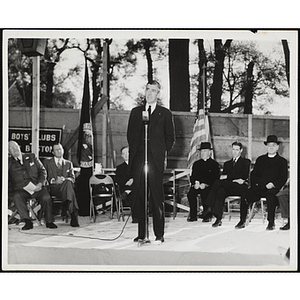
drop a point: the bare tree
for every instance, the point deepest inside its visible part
(179, 74)
(286, 51)
(216, 88)
(249, 89)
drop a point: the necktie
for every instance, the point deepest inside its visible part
(59, 163)
(149, 110)
(234, 161)
(19, 161)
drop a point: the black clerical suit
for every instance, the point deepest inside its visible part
(266, 170)
(161, 137)
(204, 171)
(226, 187)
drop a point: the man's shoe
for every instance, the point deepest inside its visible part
(51, 225)
(138, 238)
(201, 215)
(206, 219)
(240, 225)
(205, 213)
(270, 226)
(28, 225)
(159, 240)
(189, 219)
(217, 223)
(285, 227)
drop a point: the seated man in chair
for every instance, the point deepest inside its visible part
(125, 181)
(26, 178)
(269, 174)
(205, 172)
(60, 176)
(232, 182)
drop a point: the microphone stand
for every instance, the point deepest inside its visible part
(146, 240)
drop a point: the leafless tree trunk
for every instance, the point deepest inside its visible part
(216, 88)
(147, 44)
(202, 75)
(286, 51)
(179, 74)
(249, 89)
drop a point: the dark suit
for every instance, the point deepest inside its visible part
(65, 191)
(265, 170)
(223, 188)
(205, 172)
(122, 176)
(161, 138)
(33, 171)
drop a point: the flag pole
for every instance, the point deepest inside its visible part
(203, 87)
(250, 136)
(105, 107)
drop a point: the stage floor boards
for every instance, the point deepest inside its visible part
(194, 246)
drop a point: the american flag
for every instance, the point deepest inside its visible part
(200, 134)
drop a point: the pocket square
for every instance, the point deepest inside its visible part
(31, 164)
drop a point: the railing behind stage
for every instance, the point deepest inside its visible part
(176, 185)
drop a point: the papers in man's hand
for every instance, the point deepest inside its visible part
(30, 187)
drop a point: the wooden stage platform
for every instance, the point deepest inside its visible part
(194, 246)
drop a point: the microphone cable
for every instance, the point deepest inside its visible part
(82, 236)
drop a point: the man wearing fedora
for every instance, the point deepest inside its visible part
(205, 172)
(269, 174)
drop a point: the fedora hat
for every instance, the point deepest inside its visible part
(205, 145)
(272, 139)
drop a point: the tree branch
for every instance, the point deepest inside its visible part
(230, 108)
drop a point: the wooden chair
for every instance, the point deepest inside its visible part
(172, 189)
(13, 216)
(230, 201)
(255, 210)
(108, 193)
(33, 208)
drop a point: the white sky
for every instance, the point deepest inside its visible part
(270, 45)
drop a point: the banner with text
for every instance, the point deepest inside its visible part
(48, 137)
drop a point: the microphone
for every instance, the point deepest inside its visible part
(145, 116)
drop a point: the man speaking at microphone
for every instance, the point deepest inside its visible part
(161, 138)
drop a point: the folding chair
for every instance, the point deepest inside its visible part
(230, 201)
(14, 216)
(255, 209)
(124, 210)
(33, 208)
(103, 187)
